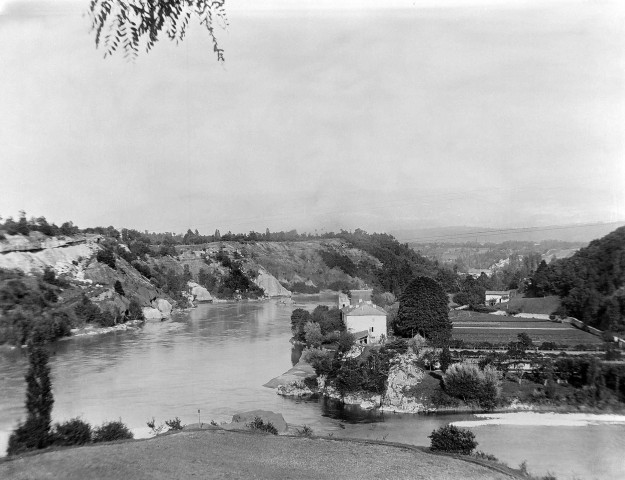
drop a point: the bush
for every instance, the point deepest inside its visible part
(174, 424)
(311, 382)
(110, 431)
(453, 440)
(142, 268)
(72, 432)
(135, 312)
(305, 431)
(119, 289)
(258, 425)
(467, 382)
(107, 257)
(320, 360)
(485, 456)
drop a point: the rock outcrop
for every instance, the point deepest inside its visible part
(364, 400)
(270, 284)
(33, 253)
(401, 394)
(294, 389)
(240, 420)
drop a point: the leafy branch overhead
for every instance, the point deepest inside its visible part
(131, 25)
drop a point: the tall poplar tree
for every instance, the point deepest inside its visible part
(35, 431)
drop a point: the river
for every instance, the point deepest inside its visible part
(216, 358)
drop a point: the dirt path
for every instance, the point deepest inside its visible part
(221, 454)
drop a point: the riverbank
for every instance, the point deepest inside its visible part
(238, 454)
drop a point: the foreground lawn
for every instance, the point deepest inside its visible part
(221, 454)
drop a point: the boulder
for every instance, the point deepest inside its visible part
(162, 306)
(200, 294)
(152, 313)
(240, 420)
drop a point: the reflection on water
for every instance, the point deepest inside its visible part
(216, 359)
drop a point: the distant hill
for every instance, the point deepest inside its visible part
(570, 233)
(591, 283)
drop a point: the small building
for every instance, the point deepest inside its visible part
(366, 321)
(493, 297)
(343, 300)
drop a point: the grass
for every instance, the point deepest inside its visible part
(220, 454)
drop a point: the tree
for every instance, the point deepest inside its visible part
(423, 310)
(312, 334)
(445, 359)
(135, 24)
(35, 432)
(299, 318)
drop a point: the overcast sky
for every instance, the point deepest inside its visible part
(467, 113)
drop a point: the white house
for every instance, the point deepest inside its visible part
(494, 297)
(366, 321)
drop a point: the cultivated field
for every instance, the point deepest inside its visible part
(473, 328)
(546, 305)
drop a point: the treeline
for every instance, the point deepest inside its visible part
(590, 283)
(23, 226)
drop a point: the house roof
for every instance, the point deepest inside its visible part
(497, 292)
(359, 335)
(362, 309)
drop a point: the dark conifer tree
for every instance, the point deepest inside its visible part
(423, 310)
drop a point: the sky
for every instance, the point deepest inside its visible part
(407, 115)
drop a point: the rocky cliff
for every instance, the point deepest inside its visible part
(402, 387)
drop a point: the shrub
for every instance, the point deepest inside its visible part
(311, 382)
(156, 429)
(135, 312)
(174, 424)
(305, 431)
(107, 257)
(258, 425)
(72, 432)
(110, 431)
(453, 439)
(467, 382)
(485, 456)
(119, 289)
(142, 268)
(321, 360)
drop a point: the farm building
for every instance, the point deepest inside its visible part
(343, 300)
(494, 297)
(366, 321)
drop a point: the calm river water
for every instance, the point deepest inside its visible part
(216, 359)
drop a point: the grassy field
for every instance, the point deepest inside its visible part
(221, 454)
(474, 327)
(546, 305)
